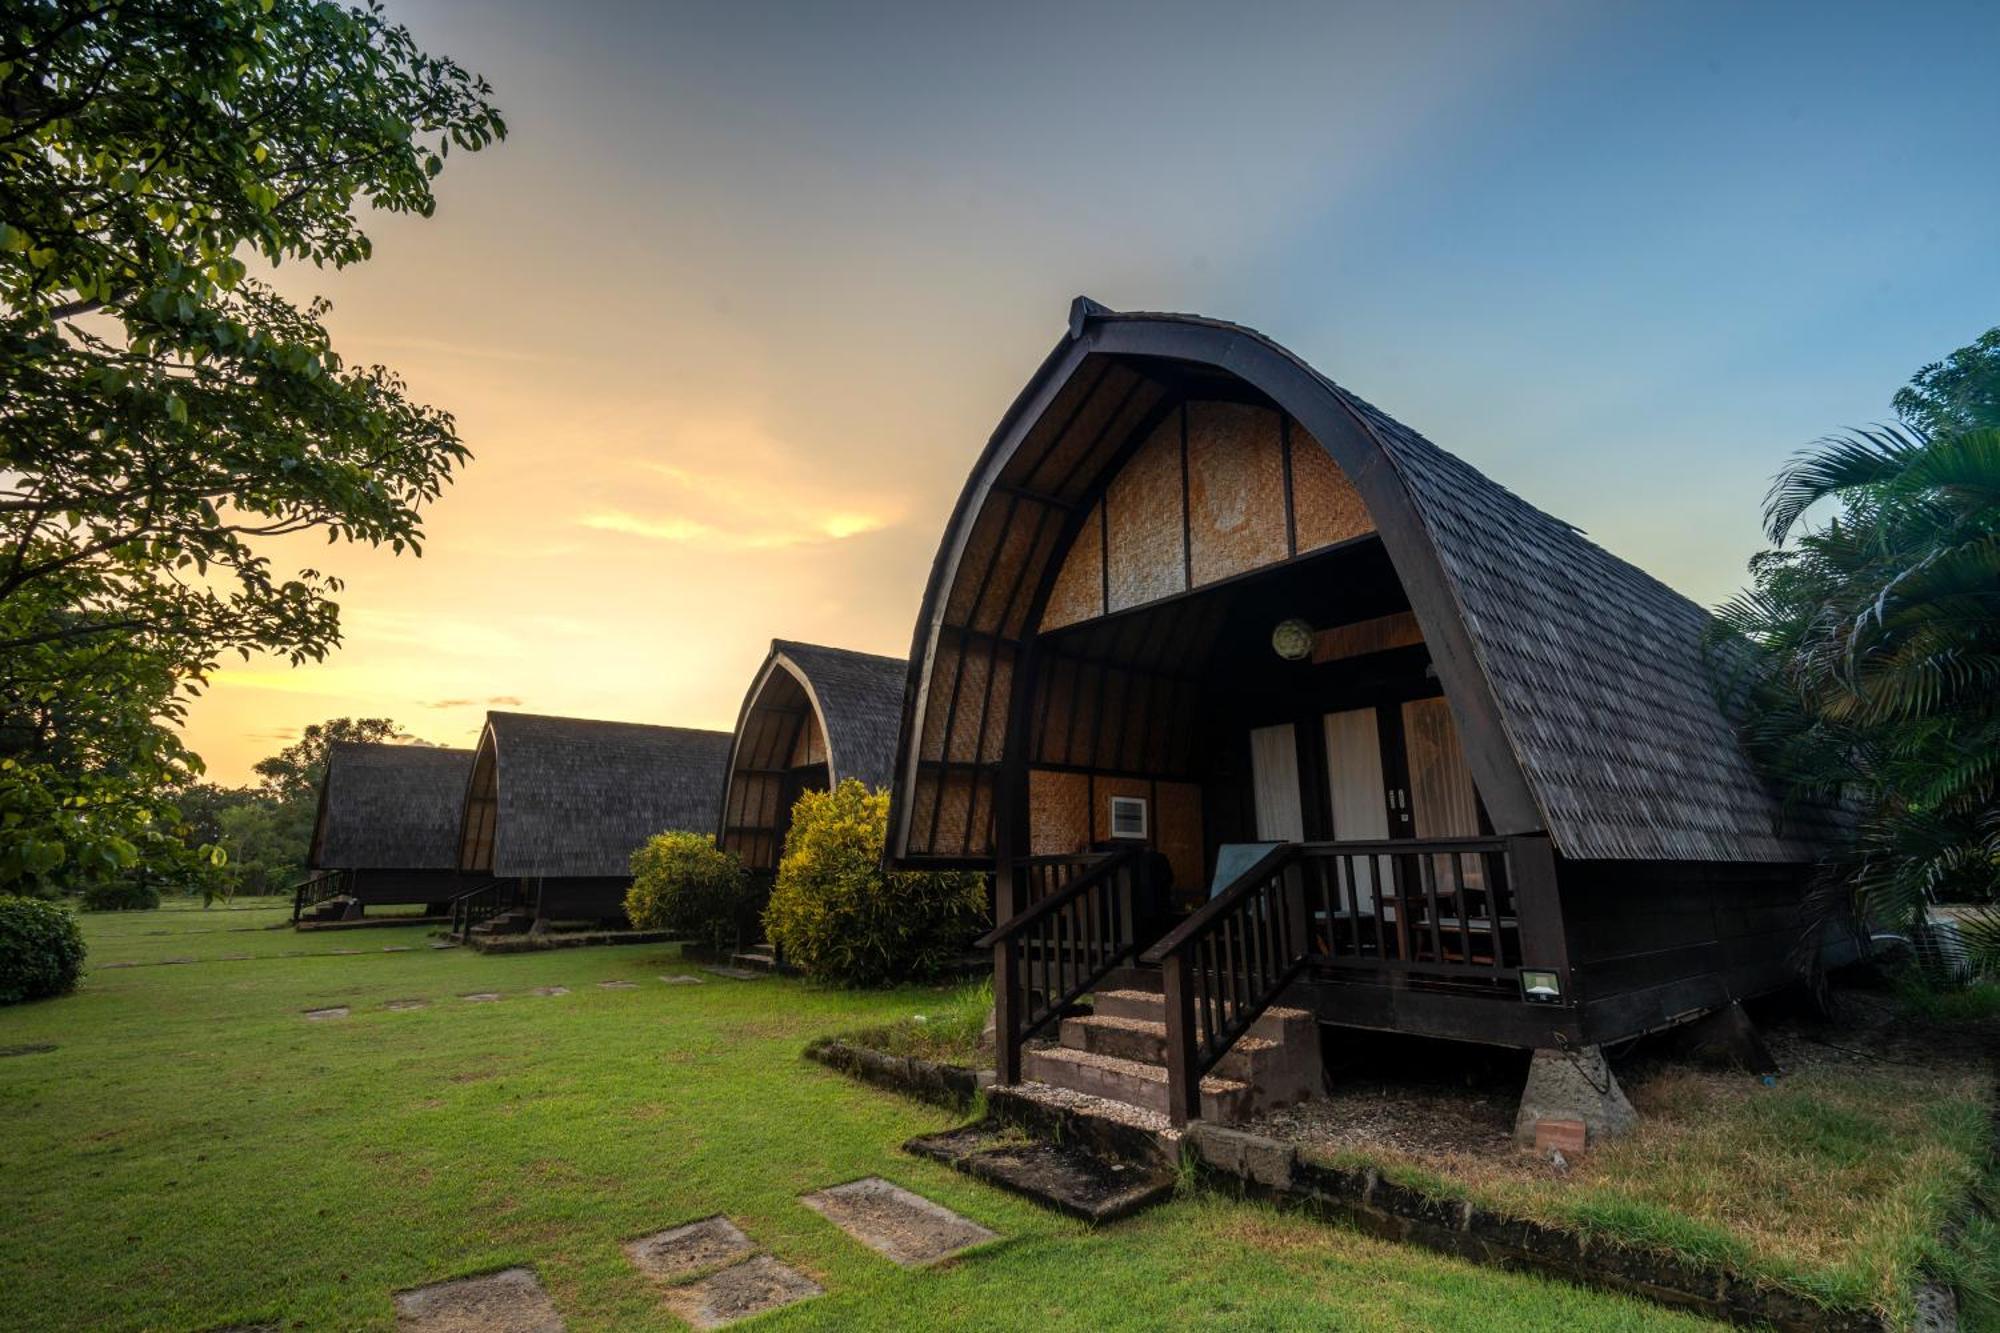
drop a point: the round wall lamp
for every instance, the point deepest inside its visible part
(1292, 640)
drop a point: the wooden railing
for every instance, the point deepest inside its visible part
(484, 903)
(1433, 912)
(1077, 926)
(1223, 967)
(315, 891)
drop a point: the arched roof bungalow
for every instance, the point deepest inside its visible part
(1408, 748)
(386, 831)
(557, 805)
(814, 717)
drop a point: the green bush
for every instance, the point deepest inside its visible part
(836, 914)
(121, 895)
(41, 949)
(684, 883)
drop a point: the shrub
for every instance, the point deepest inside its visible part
(41, 950)
(121, 895)
(684, 883)
(840, 917)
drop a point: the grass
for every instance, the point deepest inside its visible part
(946, 1031)
(195, 1154)
(1836, 1182)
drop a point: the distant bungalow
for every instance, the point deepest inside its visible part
(813, 718)
(386, 832)
(557, 805)
(1263, 708)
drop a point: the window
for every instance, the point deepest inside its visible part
(1128, 818)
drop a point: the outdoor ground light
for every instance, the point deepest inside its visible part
(1540, 988)
(1292, 639)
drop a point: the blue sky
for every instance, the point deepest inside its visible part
(727, 317)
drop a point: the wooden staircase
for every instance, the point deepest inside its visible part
(1118, 1052)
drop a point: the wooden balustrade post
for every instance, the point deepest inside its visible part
(1006, 976)
(1298, 914)
(1183, 1082)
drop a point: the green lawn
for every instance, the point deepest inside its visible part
(196, 1154)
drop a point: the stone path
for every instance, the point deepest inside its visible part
(710, 1272)
(510, 1301)
(906, 1228)
(486, 997)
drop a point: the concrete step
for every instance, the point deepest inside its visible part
(1277, 1023)
(1251, 1060)
(761, 959)
(1223, 1100)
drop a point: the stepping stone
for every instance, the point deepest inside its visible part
(549, 990)
(510, 1301)
(749, 1288)
(681, 979)
(395, 948)
(907, 1228)
(617, 985)
(403, 1006)
(481, 997)
(321, 1015)
(672, 1256)
(736, 973)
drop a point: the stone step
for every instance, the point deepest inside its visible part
(1065, 1175)
(1277, 1023)
(1249, 1060)
(755, 961)
(1223, 1100)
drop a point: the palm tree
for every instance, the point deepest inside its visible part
(1872, 683)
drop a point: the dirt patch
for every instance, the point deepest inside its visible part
(1420, 1120)
(685, 1251)
(511, 1301)
(549, 990)
(749, 1288)
(322, 1015)
(474, 1075)
(906, 1228)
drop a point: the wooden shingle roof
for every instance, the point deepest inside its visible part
(860, 698)
(577, 796)
(389, 807)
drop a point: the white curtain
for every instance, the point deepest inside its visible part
(1442, 797)
(1274, 780)
(1360, 801)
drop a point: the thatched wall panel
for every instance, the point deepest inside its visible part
(1058, 812)
(1236, 484)
(1178, 835)
(1325, 506)
(1145, 513)
(1078, 593)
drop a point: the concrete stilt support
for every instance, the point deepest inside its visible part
(1569, 1086)
(1726, 1039)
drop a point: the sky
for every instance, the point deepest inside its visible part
(727, 317)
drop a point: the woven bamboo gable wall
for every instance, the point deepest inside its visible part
(1155, 491)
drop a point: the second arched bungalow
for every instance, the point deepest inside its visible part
(814, 717)
(556, 806)
(1413, 752)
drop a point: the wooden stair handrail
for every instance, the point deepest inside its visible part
(1252, 878)
(1015, 924)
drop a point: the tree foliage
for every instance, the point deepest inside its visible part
(1873, 680)
(167, 413)
(839, 916)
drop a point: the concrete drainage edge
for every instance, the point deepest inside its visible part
(1271, 1169)
(947, 1085)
